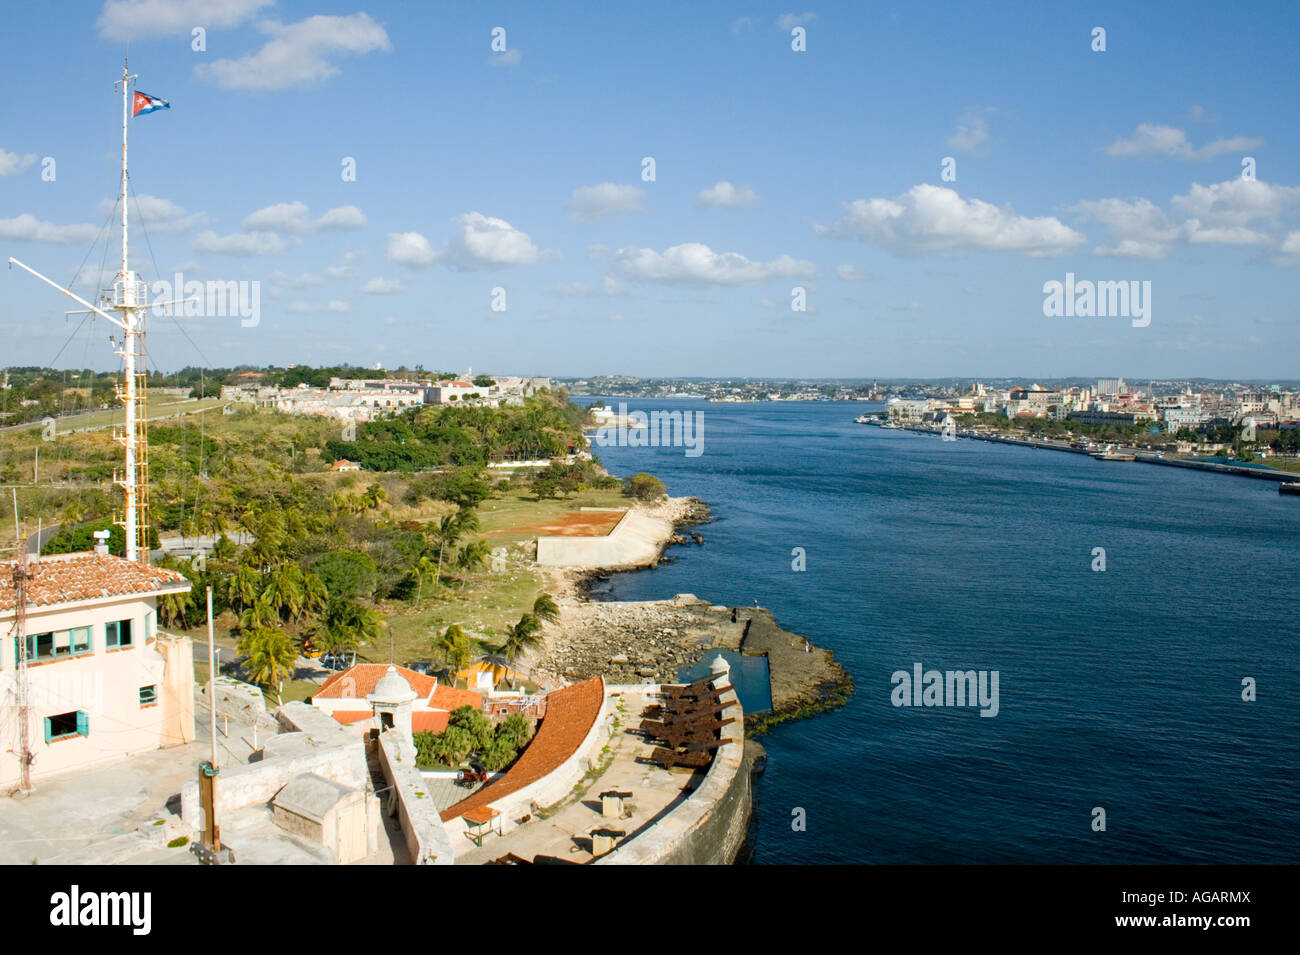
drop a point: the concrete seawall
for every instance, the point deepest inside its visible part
(635, 541)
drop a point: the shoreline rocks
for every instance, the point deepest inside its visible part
(633, 641)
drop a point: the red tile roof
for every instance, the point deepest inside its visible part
(570, 715)
(64, 578)
(449, 697)
(356, 682)
(429, 721)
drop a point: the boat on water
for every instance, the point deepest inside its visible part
(1289, 487)
(1110, 454)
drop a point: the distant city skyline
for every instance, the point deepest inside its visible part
(516, 176)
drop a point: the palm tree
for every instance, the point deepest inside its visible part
(242, 588)
(452, 528)
(423, 567)
(175, 608)
(521, 638)
(457, 648)
(284, 590)
(259, 615)
(271, 655)
(473, 554)
(545, 608)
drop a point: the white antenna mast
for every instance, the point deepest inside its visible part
(129, 298)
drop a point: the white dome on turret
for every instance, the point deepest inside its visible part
(391, 688)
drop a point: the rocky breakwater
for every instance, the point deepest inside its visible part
(635, 641)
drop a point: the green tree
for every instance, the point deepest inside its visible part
(270, 656)
(516, 729)
(456, 648)
(521, 638)
(545, 608)
(645, 487)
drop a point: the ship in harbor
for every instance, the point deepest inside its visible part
(1109, 453)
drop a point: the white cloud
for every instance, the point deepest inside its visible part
(597, 251)
(126, 20)
(1288, 253)
(293, 217)
(610, 287)
(302, 280)
(1236, 202)
(590, 203)
(1221, 214)
(1141, 228)
(27, 228)
(512, 57)
(694, 263)
(788, 21)
(242, 243)
(1222, 235)
(347, 270)
(410, 249)
(159, 215)
(726, 195)
(13, 163)
(849, 273)
(383, 286)
(334, 305)
(930, 218)
(295, 56)
(972, 131)
(484, 241)
(1150, 139)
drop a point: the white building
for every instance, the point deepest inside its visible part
(102, 681)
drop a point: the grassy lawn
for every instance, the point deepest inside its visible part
(506, 516)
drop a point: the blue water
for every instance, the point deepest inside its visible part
(749, 676)
(1118, 689)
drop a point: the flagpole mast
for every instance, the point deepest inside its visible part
(128, 304)
(129, 298)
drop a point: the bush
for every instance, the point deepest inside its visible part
(644, 487)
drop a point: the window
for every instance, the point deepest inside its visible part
(66, 726)
(55, 644)
(117, 634)
(148, 695)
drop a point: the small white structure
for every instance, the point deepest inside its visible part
(342, 819)
(391, 700)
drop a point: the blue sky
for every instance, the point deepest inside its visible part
(774, 169)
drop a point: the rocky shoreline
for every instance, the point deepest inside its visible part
(632, 641)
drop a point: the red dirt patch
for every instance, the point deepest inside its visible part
(573, 524)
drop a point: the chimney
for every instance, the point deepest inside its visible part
(101, 542)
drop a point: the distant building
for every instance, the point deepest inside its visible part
(102, 681)
(1111, 386)
(343, 464)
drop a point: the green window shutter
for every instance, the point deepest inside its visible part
(47, 729)
(83, 723)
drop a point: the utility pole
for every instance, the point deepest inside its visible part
(21, 576)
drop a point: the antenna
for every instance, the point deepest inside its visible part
(130, 299)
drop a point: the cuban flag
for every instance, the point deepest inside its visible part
(144, 103)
